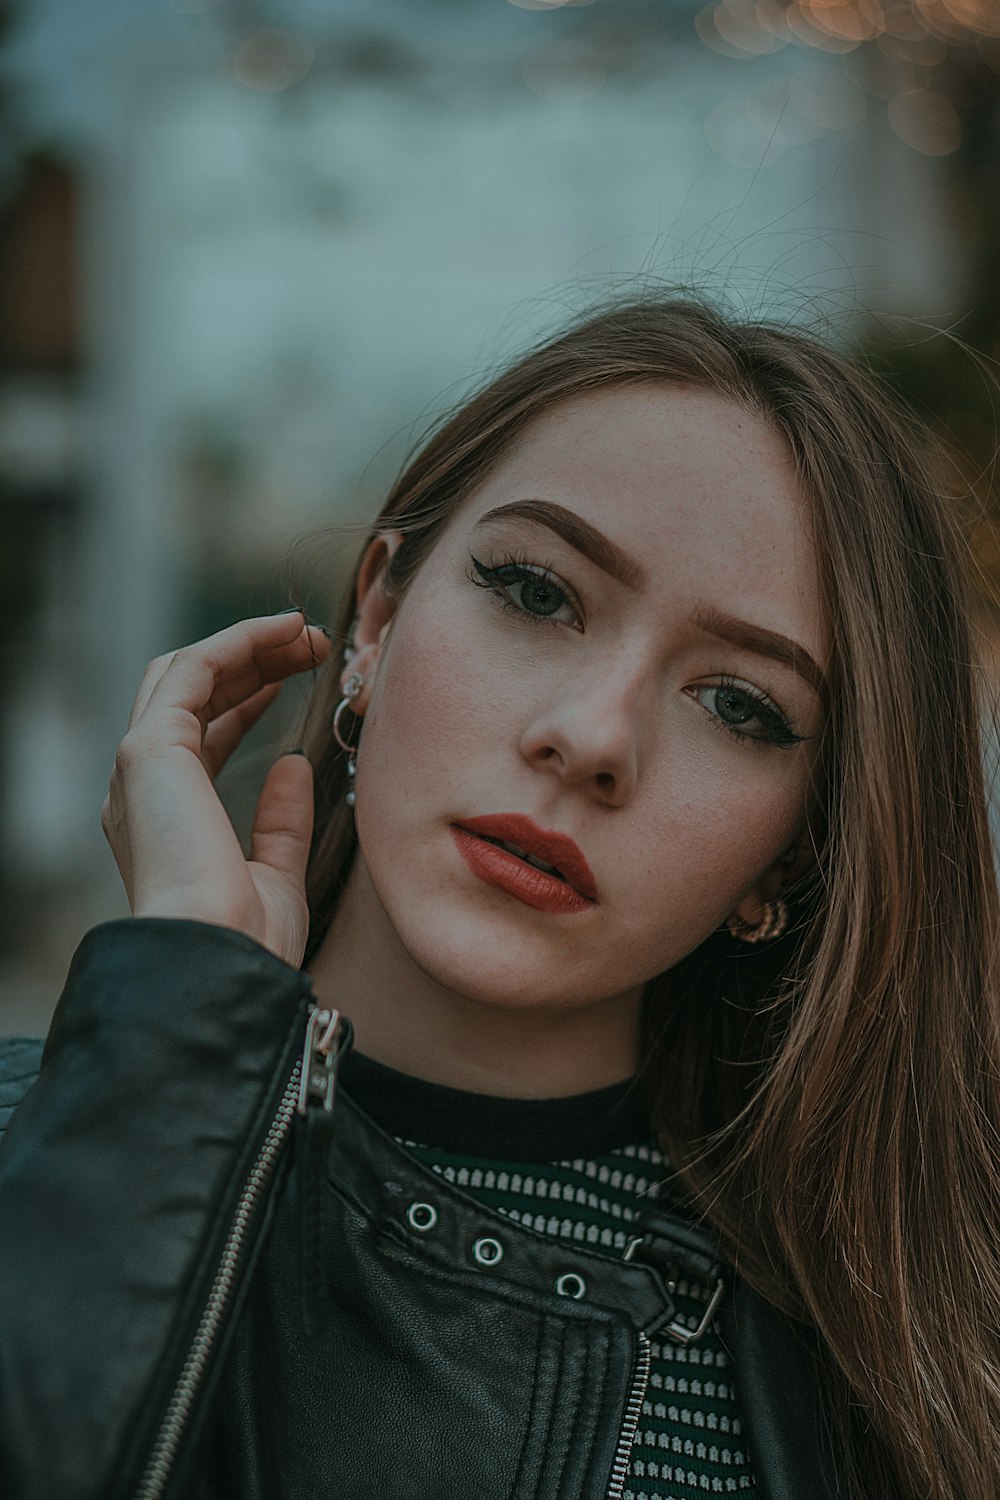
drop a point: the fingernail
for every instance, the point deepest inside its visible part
(297, 751)
(326, 632)
(293, 609)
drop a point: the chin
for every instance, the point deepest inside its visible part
(483, 964)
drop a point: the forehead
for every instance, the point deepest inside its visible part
(671, 453)
(700, 490)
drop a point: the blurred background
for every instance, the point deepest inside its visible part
(250, 248)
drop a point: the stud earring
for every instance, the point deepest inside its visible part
(352, 688)
(771, 925)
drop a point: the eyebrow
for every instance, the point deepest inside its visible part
(761, 642)
(578, 532)
(610, 558)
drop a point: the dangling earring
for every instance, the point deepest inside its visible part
(352, 688)
(771, 925)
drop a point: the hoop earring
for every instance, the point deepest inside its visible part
(771, 925)
(352, 688)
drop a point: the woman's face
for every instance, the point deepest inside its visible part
(617, 637)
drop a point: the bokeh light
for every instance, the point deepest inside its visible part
(806, 29)
(927, 121)
(738, 23)
(272, 59)
(743, 28)
(847, 20)
(905, 52)
(737, 28)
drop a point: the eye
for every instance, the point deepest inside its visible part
(531, 591)
(746, 713)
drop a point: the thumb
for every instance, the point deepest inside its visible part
(282, 825)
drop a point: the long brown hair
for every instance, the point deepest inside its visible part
(839, 1126)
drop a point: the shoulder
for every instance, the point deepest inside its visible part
(20, 1060)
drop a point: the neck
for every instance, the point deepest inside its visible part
(404, 1018)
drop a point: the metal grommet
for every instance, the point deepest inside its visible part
(570, 1284)
(487, 1252)
(422, 1216)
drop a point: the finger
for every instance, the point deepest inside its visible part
(226, 732)
(156, 668)
(150, 678)
(282, 825)
(207, 679)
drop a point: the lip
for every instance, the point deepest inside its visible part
(575, 892)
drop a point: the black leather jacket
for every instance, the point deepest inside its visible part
(206, 1293)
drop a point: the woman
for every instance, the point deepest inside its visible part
(650, 862)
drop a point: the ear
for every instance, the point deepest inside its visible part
(786, 870)
(375, 609)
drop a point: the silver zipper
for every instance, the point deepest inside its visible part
(630, 1422)
(312, 1067)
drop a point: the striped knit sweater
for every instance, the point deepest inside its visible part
(579, 1169)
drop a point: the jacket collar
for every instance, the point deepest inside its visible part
(775, 1361)
(409, 1202)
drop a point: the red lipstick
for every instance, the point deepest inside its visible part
(568, 886)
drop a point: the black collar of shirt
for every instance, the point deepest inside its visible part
(499, 1129)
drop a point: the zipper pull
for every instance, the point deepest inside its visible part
(328, 1037)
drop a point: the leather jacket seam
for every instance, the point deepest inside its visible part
(518, 1476)
(602, 1387)
(570, 1429)
(583, 1383)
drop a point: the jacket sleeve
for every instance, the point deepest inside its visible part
(122, 1174)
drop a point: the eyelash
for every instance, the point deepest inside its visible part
(514, 569)
(778, 731)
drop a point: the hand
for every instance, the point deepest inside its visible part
(175, 847)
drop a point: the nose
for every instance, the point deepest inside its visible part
(588, 735)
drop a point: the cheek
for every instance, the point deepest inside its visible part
(438, 707)
(702, 844)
